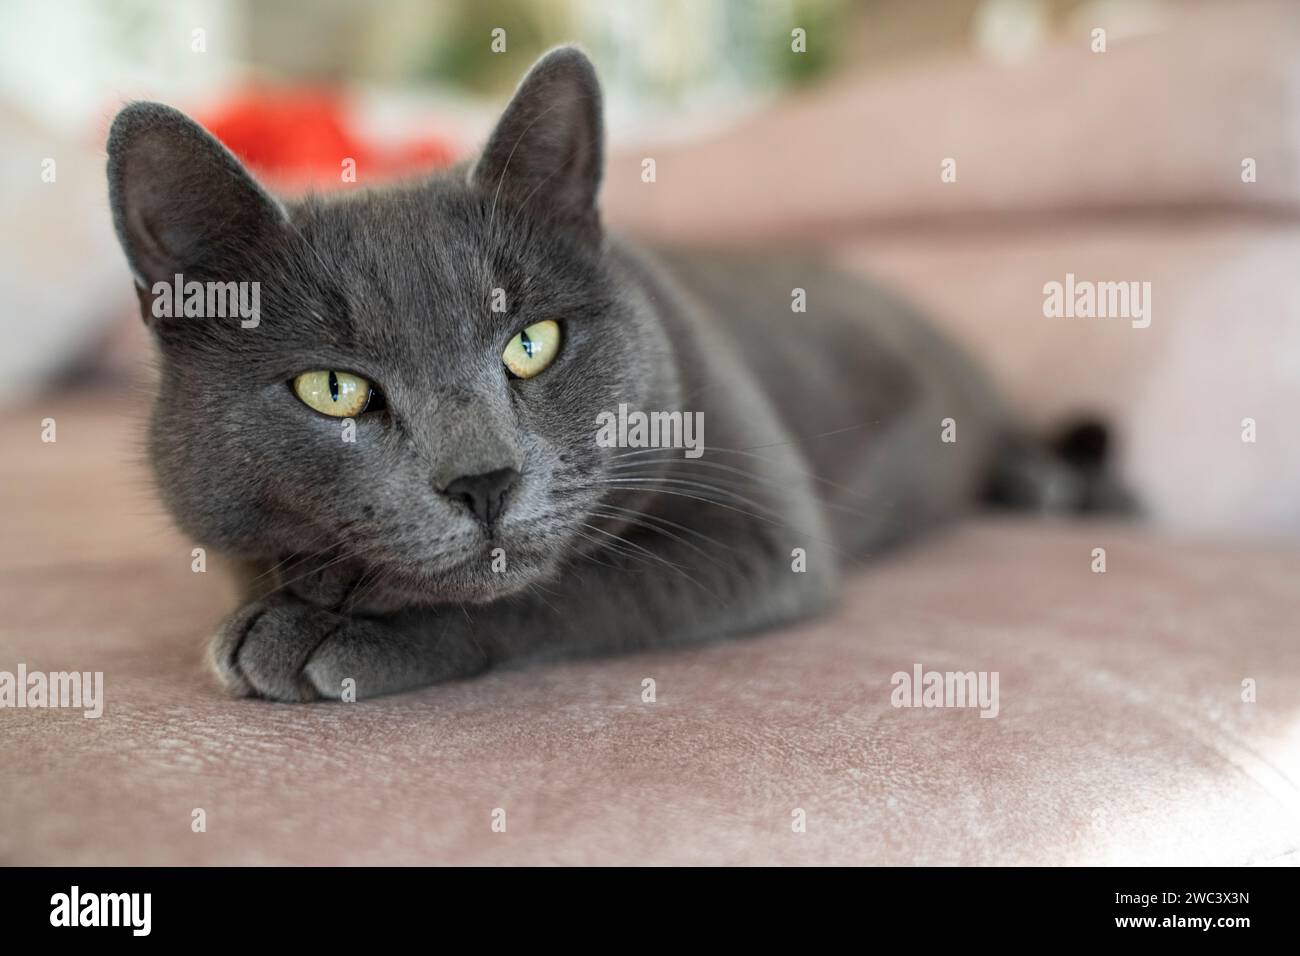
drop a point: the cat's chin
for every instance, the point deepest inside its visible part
(432, 594)
(467, 584)
(385, 584)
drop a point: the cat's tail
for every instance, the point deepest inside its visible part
(1070, 472)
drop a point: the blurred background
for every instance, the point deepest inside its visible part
(1105, 139)
(964, 154)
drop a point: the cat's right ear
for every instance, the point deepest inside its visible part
(181, 201)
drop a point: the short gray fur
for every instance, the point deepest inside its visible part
(823, 428)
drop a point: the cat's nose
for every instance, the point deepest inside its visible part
(485, 494)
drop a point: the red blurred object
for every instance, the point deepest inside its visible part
(297, 139)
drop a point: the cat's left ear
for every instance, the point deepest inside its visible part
(547, 150)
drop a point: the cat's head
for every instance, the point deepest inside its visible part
(481, 311)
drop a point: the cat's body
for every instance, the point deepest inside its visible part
(475, 520)
(860, 383)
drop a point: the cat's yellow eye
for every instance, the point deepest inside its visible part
(533, 349)
(340, 394)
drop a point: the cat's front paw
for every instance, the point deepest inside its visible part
(284, 649)
(264, 648)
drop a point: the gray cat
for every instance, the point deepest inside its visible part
(403, 451)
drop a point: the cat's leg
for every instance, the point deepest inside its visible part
(283, 648)
(730, 573)
(643, 590)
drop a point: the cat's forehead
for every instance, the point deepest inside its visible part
(414, 274)
(437, 241)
